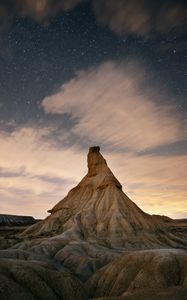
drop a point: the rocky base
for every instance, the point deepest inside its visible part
(96, 244)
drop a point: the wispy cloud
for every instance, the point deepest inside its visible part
(141, 17)
(32, 149)
(35, 174)
(113, 104)
(156, 183)
(38, 174)
(40, 10)
(30, 195)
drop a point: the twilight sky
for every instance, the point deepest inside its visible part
(78, 73)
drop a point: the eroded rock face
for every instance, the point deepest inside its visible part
(142, 270)
(33, 281)
(12, 225)
(173, 293)
(96, 235)
(97, 210)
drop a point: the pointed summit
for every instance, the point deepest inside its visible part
(96, 162)
(97, 210)
(99, 177)
(98, 168)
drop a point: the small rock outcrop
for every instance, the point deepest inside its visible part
(12, 220)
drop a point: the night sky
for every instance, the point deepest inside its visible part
(104, 72)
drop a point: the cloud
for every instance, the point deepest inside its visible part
(156, 183)
(124, 17)
(39, 9)
(42, 11)
(113, 104)
(30, 195)
(171, 16)
(35, 174)
(141, 17)
(36, 154)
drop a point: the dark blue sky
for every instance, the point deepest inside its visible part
(36, 59)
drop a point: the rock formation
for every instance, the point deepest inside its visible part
(96, 235)
(97, 210)
(12, 225)
(12, 220)
(34, 281)
(150, 270)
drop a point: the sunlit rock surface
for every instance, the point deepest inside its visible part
(97, 210)
(97, 243)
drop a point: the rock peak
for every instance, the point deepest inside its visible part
(96, 162)
(98, 210)
(94, 149)
(97, 167)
